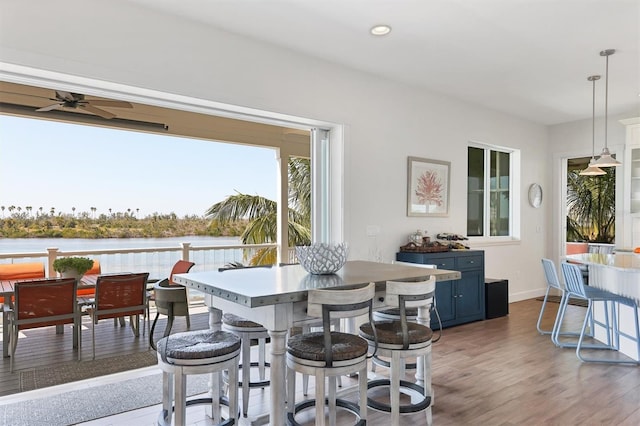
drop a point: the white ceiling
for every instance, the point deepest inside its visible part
(530, 58)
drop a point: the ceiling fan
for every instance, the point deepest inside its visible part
(77, 101)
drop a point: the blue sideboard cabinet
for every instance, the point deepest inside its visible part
(458, 301)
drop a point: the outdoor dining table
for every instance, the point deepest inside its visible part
(7, 290)
(276, 298)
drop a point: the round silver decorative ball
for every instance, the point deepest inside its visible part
(322, 258)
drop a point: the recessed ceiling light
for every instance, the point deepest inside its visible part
(380, 30)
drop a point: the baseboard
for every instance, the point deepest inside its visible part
(529, 294)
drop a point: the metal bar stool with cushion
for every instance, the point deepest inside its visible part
(398, 340)
(335, 323)
(575, 287)
(248, 331)
(329, 354)
(393, 314)
(198, 352)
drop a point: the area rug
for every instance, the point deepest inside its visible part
(37, 378)
(572, 301)
(92, 403)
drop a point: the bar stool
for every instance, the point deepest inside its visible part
(393, 314)
(329, 354)
(551, 276)
(575, 287)
(248, 331)
(399, 340)
(198, 352)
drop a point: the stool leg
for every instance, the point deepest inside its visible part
(233, 392)
(395, 388)
(261, 357)
(167, 396)
(332, 400)
(362, 383)
(320, 378)
(214, 379)
(305, 384)
(291, 389)
(246, 373)
(181, 398)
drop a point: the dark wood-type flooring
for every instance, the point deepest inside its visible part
(493, 372)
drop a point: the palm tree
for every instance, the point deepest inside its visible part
(591, 207)
(261, 213)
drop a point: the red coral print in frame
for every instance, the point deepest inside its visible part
(429, 189)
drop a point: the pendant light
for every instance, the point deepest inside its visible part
(593, 170)
(606, 160)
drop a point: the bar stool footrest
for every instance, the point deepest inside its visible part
(309, 403)
(162, 418)
(404, 409)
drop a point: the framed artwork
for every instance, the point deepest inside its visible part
(427, 187)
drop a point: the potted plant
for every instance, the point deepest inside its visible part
(72, 267)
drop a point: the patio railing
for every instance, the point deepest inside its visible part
(155, 260)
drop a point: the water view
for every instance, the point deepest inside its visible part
(157, 263)
(28, 245)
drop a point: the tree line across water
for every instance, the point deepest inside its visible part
(251, 217)
(25, 223)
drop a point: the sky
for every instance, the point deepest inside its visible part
(50, 164)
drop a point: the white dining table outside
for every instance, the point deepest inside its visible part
(276, 298)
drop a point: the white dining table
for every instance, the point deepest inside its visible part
(276, 298)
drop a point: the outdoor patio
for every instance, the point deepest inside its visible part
(44, 357)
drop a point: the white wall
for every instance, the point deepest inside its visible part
(384, 121)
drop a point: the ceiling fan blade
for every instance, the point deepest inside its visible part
(97, 111)
(109, 103)
(62, 95)
(49, 108)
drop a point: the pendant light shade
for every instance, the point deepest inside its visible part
(593, 170)
(606, 160)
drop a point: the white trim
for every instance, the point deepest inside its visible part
(36, 77)
(515, 169)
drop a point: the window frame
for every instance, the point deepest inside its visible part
(514, 193)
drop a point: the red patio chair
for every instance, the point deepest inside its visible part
(43, 303)
(119, 296)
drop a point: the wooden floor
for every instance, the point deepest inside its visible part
(493, 372)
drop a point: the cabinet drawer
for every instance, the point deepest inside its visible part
(443, 262)
(469, 262)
